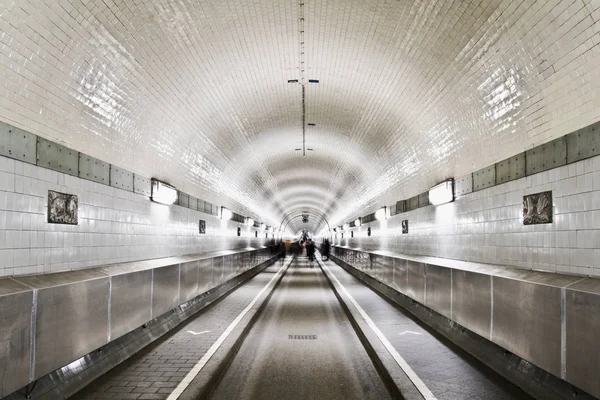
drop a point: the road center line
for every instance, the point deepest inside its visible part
(397, 357)
(213, 349)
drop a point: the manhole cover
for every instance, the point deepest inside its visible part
(302, 337)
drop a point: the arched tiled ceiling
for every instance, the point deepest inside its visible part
(195, 92)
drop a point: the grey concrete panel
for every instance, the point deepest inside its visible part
(472, 301)
(546, 156)
(142, 185)
(200, 205)
(183, 199)
(424, 199)
(130, 302)
(92, 169)
(416, 281)
(121, 178)
(484, 178)
(193, 203)
(463, 185)
(527, 321)
(400, 275)
(16, 303)
(57, 157)
(584, 143)
(400, 206)
(17, 143)
(439, 289)
(165, 289)
(188, 281)
(65, 328)
(510, 169)
(583, 347)
(205, 275)
(412, 203)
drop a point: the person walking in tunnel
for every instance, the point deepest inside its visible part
(325, 250)
(310, 252)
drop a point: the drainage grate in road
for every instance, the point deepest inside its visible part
(302, 337)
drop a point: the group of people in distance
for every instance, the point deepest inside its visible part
(295, 249)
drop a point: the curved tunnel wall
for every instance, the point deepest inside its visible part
(115, 225)
(487, 226)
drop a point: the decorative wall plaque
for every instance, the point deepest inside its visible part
(202, 227)
(405, 226)
(62, 208)
(537, 208)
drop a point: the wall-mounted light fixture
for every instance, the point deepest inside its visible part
(346, 226)
(262, 226)
(357, 223)
(163, 193)
(381, 214)
(249, 221)
(442, 193)
(226, 214)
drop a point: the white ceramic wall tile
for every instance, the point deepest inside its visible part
(486, 226)
(114, 225)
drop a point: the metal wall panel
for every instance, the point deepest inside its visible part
(205, 275)
(130, 302)
(188, 281)
(510, 169)
(229, 262)
(183, 199)
(57, 157)
(424, 199)
(16, 303)
(121, 178)
(400, 275)
(142, 185)
(387, 274)
(546, 156)
(484, 178)
(217, 271)
(69, 331)
(526, 321)
(472, 301)
(463, 185)
(416, 281)
(583, 325)
(92, 169)
(17, 143)
(237, 263)
(438, 295)
(412, 203)
(165, 289)
(584, 143)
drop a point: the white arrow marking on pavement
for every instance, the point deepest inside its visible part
(197, 333)
(411, 332)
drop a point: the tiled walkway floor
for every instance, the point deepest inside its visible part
(450, 373)
(155, 371)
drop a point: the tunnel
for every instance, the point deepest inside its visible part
(301, 199)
